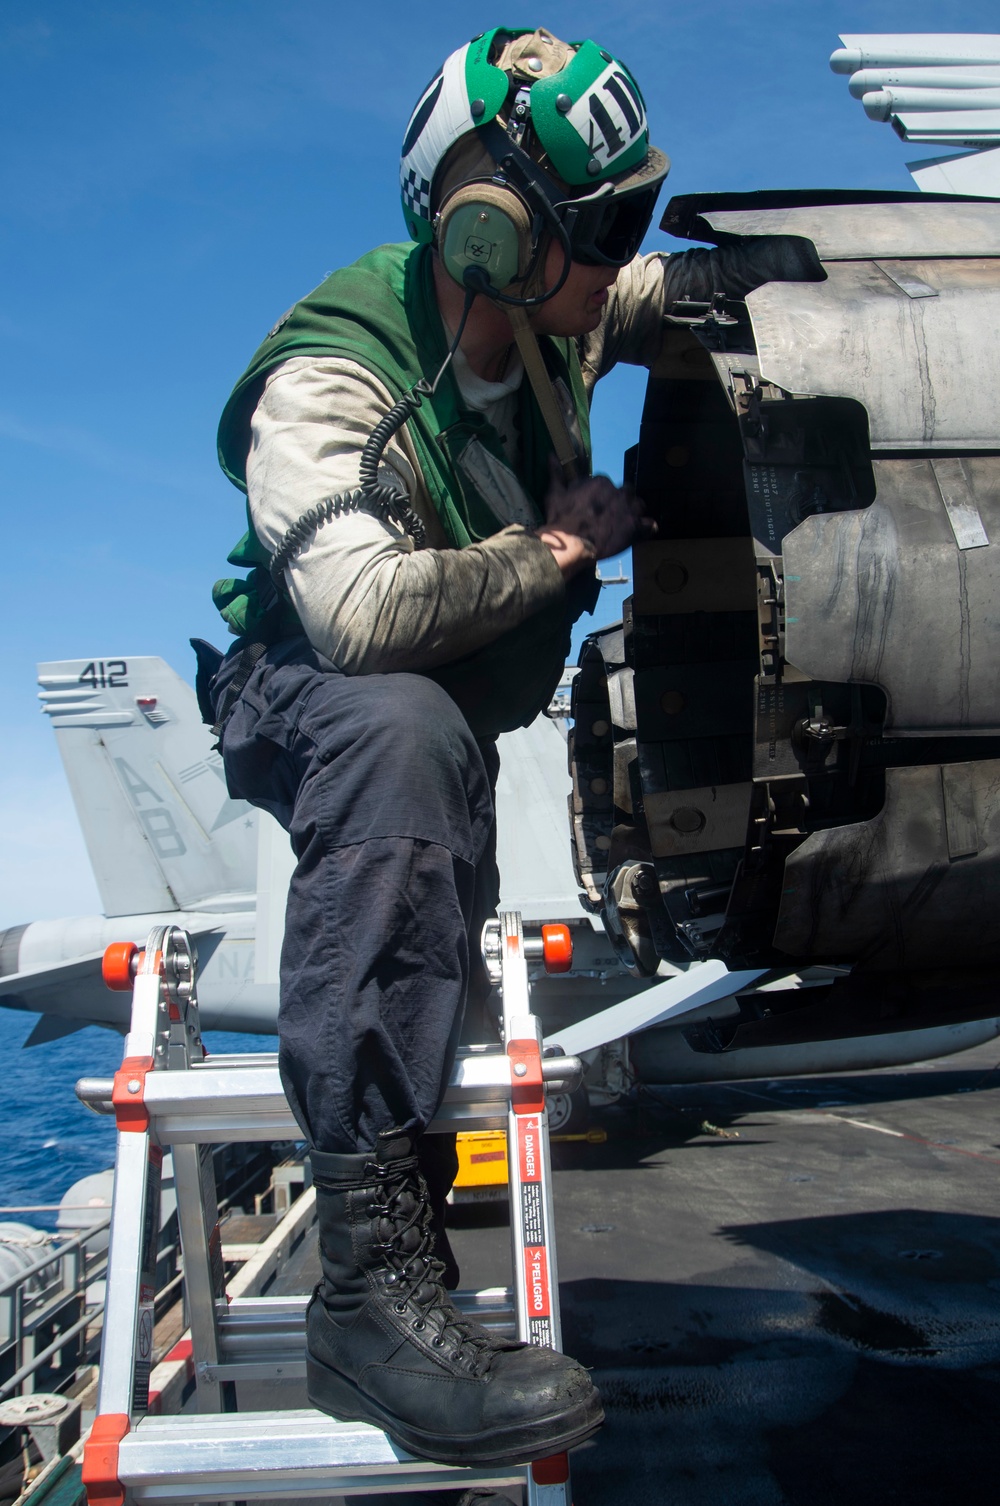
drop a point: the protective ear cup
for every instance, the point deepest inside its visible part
(483, 225)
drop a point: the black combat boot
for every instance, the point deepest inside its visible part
(437, 1158)
(385, 1344)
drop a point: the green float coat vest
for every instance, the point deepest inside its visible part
(382, 313)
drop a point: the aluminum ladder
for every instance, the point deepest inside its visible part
(168, 1093)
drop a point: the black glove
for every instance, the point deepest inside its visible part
(610, 516)
(738, 266)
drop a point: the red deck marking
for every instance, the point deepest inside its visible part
(181, 1357)
(957, 1150)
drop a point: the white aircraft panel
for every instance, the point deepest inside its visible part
(913, 49)
(854, 232)
(861, 335)
(533, 849)
(967, 172)
(963, 127)
(128, 879)
(275, 866)
(983, 76)
(160, 828)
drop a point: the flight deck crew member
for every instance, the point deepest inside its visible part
(406, 606)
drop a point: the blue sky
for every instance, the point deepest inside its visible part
(172, 177)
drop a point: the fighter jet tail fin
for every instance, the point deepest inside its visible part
(150, 792)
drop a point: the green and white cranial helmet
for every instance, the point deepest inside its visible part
(567, 121)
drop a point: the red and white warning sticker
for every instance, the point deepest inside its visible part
(529, 1147)
(536, 1260)
(536, 1270)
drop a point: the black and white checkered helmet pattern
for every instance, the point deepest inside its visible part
(416, 193)
(442, 116)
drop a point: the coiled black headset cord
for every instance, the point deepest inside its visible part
(372, 496)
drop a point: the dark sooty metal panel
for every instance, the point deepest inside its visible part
(915, 884)
(927, 369)
(886, 596)
(852, 231)
(792, 751)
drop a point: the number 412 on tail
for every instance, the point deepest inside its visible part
(110, 674)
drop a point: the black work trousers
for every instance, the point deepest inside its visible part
(388, 800)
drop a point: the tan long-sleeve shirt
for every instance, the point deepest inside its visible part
(367, 599)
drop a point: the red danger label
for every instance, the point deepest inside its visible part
(529, 1147)
(536, 1281)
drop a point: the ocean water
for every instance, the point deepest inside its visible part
(48, 1139)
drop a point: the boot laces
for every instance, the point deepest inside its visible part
(402, 1201)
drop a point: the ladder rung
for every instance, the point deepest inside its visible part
(289, 1455)
(217, 1103)
(226, 1103)
(267, 1315)
(262, 1338)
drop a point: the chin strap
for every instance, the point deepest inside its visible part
(541, 386)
